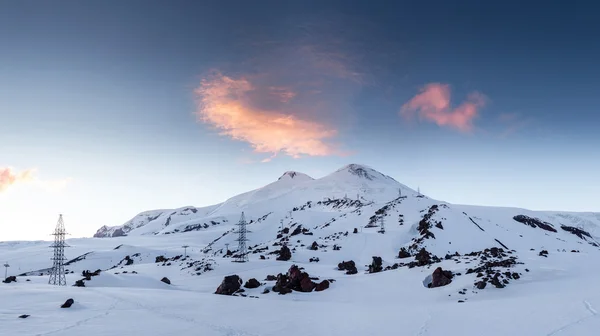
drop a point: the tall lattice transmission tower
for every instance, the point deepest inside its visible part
(382, 224)
(242, 255)
(57, 275)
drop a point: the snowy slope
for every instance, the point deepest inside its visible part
(533, 267)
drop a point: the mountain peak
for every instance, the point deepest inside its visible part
(293, 175)
(363, 171)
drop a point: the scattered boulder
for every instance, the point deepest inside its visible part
(314, 246)
(68, 303)
(229, 285)
(423, 257)
(252, 283)
(355, 230)
(284, 254)
(266, 291)
(534, 222)
(480, 284)
(440, 278)
(24, 316)
(315, 259)
(271, 278)
(576, 231)
(10, 279)
(166, 280)
(262, 257)
(496, 281)
(323, 285)
(160, 259)
(79, 283)
(543, 253)
(376, 265)
(348, 266)
(403, 253)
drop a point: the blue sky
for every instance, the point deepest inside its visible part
(111, 108)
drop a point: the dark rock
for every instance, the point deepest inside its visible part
(376, 265)
(160, 259)
(576, 231)
(480, 284)
(440, 278)
(271, 278)
(79, 283)
(283, 290)
(323, 285)
(262, 257)
(68, 303)
(403, 253)
(348, 266)
(336, 247)
(284, 254)
(314, 246)
(543, 253)
(285, 230)
(496, 281)
(297, 230)
(306, 284)
(252, 283)
(534, 222)
(314, 259)
(166, 280)
(24, 316)
(423, 257)
(229, 285)
(10, 279)
(355, 230)
(281, 284)
(266, 291)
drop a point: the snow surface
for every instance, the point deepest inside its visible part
(555, 295)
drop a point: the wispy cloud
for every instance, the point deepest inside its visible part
(512, 122)
(9, 177)
(245, 111)
(290, 97)
(433, 104)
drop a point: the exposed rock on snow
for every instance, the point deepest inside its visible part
(252, 283)
(440, 278)
(284, 254)
(68, 303)
(10, 279)
(166, 280)
(229, 285)
(376, 265)
(348, 266)
(534, 222)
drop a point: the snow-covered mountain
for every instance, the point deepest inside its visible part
(375, 249)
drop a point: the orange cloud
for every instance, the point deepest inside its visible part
(8, 177)
(433, 104)
(240, 110)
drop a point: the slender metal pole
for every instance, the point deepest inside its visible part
(6, 266)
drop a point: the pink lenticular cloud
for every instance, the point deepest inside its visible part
(233, 106)
(433, 104)
(8, 177)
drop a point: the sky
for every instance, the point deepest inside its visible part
(110, 108)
